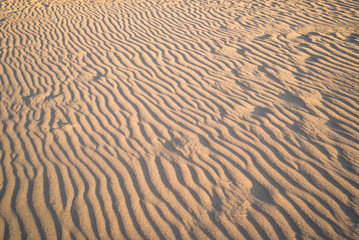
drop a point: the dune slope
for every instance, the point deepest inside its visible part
(179, 119)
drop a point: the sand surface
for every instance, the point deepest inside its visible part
(193, 119)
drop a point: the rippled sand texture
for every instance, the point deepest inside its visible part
(193, 119)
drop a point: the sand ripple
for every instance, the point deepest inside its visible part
(179, 119)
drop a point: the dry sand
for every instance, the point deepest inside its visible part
(193, 119)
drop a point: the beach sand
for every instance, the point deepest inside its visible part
(179, 119)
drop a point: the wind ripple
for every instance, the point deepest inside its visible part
(179, 119)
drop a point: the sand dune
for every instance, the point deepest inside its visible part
(179, 119)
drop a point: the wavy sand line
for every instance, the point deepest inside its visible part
(179, 119)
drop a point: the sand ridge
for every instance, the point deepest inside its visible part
(179, 119)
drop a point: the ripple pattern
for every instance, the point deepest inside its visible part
(178, 119)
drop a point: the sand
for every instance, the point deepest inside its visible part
(179, 119)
